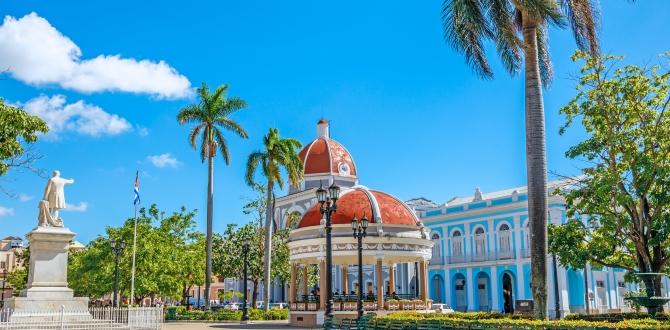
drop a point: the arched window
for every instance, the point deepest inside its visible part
(437, 248)
(456, 247)
(505, 242)
(480, 244)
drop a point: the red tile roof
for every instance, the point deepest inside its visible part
(356, 202)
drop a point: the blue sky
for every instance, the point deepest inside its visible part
(416, 119)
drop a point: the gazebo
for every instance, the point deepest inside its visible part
(394, 236)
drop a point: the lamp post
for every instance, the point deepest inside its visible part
(360, 231)
(245, 254)
(117, 248)
(328, 199)
(4, 279)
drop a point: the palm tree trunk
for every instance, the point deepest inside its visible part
(210, 211)
(268, 246)
(536, 166)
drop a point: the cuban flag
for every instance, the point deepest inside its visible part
(136, 201)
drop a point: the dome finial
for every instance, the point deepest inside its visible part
(322, 129)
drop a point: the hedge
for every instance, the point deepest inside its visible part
(616, 317)
(179, 313)
(492, 321)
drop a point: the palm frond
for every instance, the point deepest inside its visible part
(190, 114)
(255, 158)
(193, 136)
(508, 43)
(222, 144)
(219, 94)
(543, 55)
(584, 19)
(542, 11)
(465, 28)
(232, 105)
(231, 125)
(203, 93)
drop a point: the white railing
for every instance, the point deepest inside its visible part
(137, 318)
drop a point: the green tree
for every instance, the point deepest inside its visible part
(17, 129)
(211, 116)
(624, 187)
(518, 28)
(278, 153)
(170, 258)
(229, 262)
(17, 279)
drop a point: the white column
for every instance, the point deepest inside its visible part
(614, 301)
(447, 286)
(564, 291)
(517, 236)
(467, 242)
(494, 289)
(470, 285)
(521, 283)
(492, 244)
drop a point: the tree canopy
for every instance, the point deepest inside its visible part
(17, 129)
(170, 257)
(623, 188)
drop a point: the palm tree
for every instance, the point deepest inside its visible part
(278, 153)
(517, 26)
(211, 116)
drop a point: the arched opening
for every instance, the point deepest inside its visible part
(508, 297)
(480, 244)
(456, 247)
(436, 258)
(483, 292)
(437, 289)
(505, 242)
(460, 302)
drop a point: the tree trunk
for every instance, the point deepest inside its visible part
(254, 295)
(268, 246)
(536, 166)
(210, 211)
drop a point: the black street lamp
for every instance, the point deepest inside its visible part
(360, 231)
(328, 199)
(117, 249)
(245, 253)
(4, 279)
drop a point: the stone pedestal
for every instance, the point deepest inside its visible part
(47, 291)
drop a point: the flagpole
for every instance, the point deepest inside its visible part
(132, 276)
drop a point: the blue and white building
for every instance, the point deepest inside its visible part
(481, 257)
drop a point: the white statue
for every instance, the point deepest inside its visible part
(53, 201)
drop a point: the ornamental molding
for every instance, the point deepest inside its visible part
(367, 247)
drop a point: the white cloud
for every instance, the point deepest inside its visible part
(163, 160)
(38, 54)
(80, 117)
(81, 207)
(24, 197)
(6, 211)
(142, 131)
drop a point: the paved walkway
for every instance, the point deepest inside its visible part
(279, 325)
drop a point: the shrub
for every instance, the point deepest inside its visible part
(615, 317)
(485, 320)
(177, 314)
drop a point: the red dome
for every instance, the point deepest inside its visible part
(327, 156)
(359, 200)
